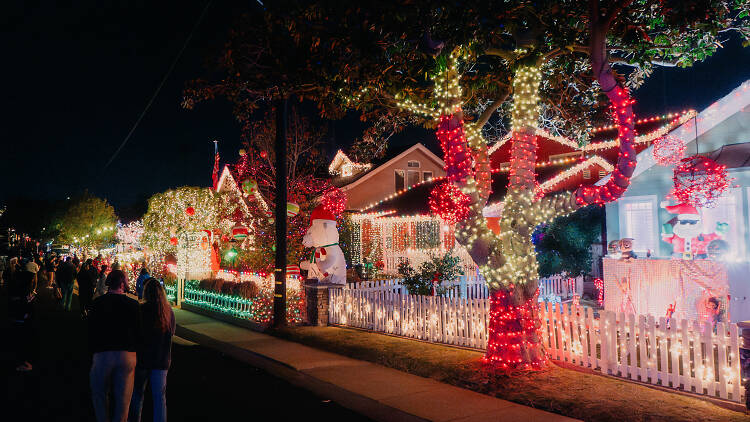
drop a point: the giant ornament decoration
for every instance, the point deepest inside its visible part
(700, 181)
(249, 186)
(449, 203)
(239, 232)
(668, 150)
(292, 209)
(190, 211)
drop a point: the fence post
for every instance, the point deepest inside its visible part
(178, 294)
(463, 286)
(317, 302)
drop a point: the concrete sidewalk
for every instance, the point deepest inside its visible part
(372, 390)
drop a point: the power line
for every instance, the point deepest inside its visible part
(158, 89)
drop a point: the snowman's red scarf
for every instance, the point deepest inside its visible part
(312, 257)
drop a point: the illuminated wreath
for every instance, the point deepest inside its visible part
(449, 203)
(668, 150)
(700, 181)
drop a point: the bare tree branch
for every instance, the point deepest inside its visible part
(487, 113)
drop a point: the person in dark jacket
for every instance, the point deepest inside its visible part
(21, 298)
(86, 281)
(50, 266)
(114, 324)
(65, 275)
(139, 282)
(154, 351)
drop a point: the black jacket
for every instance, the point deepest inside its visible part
(86, 280)
(114, 323)
(65, 274)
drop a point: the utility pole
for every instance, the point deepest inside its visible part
(279, 297)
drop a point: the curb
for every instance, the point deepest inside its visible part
(366, 406)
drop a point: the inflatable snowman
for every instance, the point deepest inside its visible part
(684, 232)
(327, 264)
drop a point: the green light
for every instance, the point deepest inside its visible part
(231, 254)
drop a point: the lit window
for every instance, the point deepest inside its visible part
(426, 175)
(638, 222)
(587, 174)
(413, 177)
(413, 164)
(728, 210)
(399, 180)
(602, 173)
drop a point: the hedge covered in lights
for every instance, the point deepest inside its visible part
(240, 300)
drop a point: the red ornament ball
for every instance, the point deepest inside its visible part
(668, 150)
(190, 211)
(700, 181)
(173, 240)
(449, 203)
(264, 154)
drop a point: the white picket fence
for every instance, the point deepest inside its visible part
(449, 320)
(685, 355)
(474, 287)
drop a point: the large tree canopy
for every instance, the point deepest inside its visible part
(88, 221)
(185, 209)
(475, 71)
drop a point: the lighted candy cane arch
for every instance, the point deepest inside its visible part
(508, 261)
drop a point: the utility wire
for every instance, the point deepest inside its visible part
(158, 89)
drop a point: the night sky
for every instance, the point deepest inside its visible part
(77, 78)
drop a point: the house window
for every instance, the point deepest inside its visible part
(426, 175)
(728, 210)
(587, 174)
(412, 177)
(399, 180)
(638, 218)
(413, 164)
(602, 174)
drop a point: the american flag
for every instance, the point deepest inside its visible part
(215, 175)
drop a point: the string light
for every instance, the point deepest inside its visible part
(622, 109)
(342, 165)
(399, 193)
(575, 170)
(258, 309)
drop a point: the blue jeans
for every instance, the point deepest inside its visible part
(67, 295)
(158, 380)
(112, 371)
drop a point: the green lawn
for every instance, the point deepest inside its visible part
(573, 393)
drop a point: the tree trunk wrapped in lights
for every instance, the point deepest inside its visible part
(508, 260)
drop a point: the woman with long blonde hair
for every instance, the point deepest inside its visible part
(154, 351)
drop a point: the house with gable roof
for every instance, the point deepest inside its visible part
(710, 286)
(365, 184)
(723, 134)
(396, 224)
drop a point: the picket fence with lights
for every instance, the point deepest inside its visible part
(683, 355)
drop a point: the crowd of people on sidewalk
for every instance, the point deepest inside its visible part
(130, 340)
